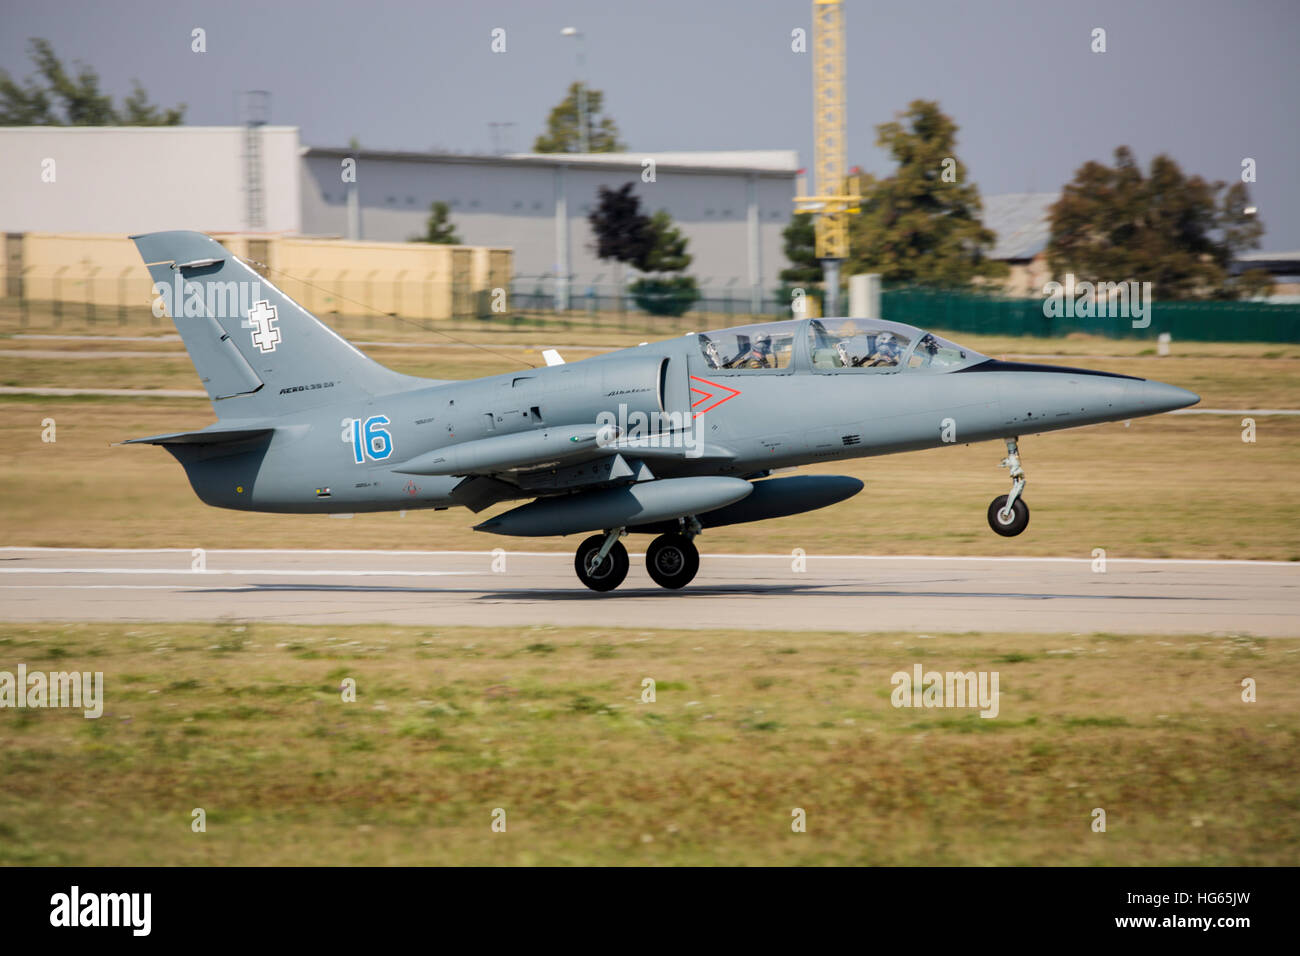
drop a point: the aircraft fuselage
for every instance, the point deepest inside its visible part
(351, 457)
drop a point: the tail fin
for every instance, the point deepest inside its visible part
(258, 353)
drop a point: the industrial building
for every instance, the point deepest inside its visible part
(732, 206)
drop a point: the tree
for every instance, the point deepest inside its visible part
(562, 133)
(667, 251)
(622, 232)
(648, 243)
(138, 111)
(1254, 284)
(668, 292)
(439, 228)
(67, 100)
(805, 269)
(1114, 224)
(801, 250)
(922, 224)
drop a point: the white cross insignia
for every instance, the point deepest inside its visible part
(260, 318)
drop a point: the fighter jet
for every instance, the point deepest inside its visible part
(666, 438)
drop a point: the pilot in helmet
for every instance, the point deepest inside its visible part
(887, 350)
(759, 354)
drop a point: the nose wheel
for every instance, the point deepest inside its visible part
(1008, 514)
(1008, 520)
(672, 560)
(601, 561)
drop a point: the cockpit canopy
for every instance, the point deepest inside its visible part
(833, 345)
(769, 345)
(876, 344)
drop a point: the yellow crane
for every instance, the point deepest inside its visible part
(833, 197)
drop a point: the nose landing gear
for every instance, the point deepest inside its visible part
(1008, 514)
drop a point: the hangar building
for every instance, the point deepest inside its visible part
(731, 205)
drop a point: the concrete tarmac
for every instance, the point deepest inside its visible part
(755, 592)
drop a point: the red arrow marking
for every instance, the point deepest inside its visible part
(707, 395)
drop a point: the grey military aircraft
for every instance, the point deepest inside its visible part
(667, 438)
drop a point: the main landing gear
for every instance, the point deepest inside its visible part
(1008, 514)
(671, 560)
(601, 561)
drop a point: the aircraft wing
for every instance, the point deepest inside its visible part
(551, 460)
(488, 483)
(546, 448)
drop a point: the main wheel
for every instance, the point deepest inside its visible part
(610, 573)
(672, 560)
(1008, 525)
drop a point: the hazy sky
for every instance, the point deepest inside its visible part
(1210, 83)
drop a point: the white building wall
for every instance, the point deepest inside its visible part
(127, 180)
(505, 203)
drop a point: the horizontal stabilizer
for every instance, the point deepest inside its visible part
(481, 492)
(208, 436)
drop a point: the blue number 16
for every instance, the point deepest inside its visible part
(377, 443)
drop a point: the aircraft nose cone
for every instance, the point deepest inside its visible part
(1153, 397)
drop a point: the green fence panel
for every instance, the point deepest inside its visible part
(1184, 321)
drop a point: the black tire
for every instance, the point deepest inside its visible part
(1019, 519)
(672, 560)
(612, 570)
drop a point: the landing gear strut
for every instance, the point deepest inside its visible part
(601, 561)
(1008, 514)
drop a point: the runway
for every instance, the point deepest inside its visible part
(753, 592)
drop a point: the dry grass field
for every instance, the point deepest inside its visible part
(247, 722)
